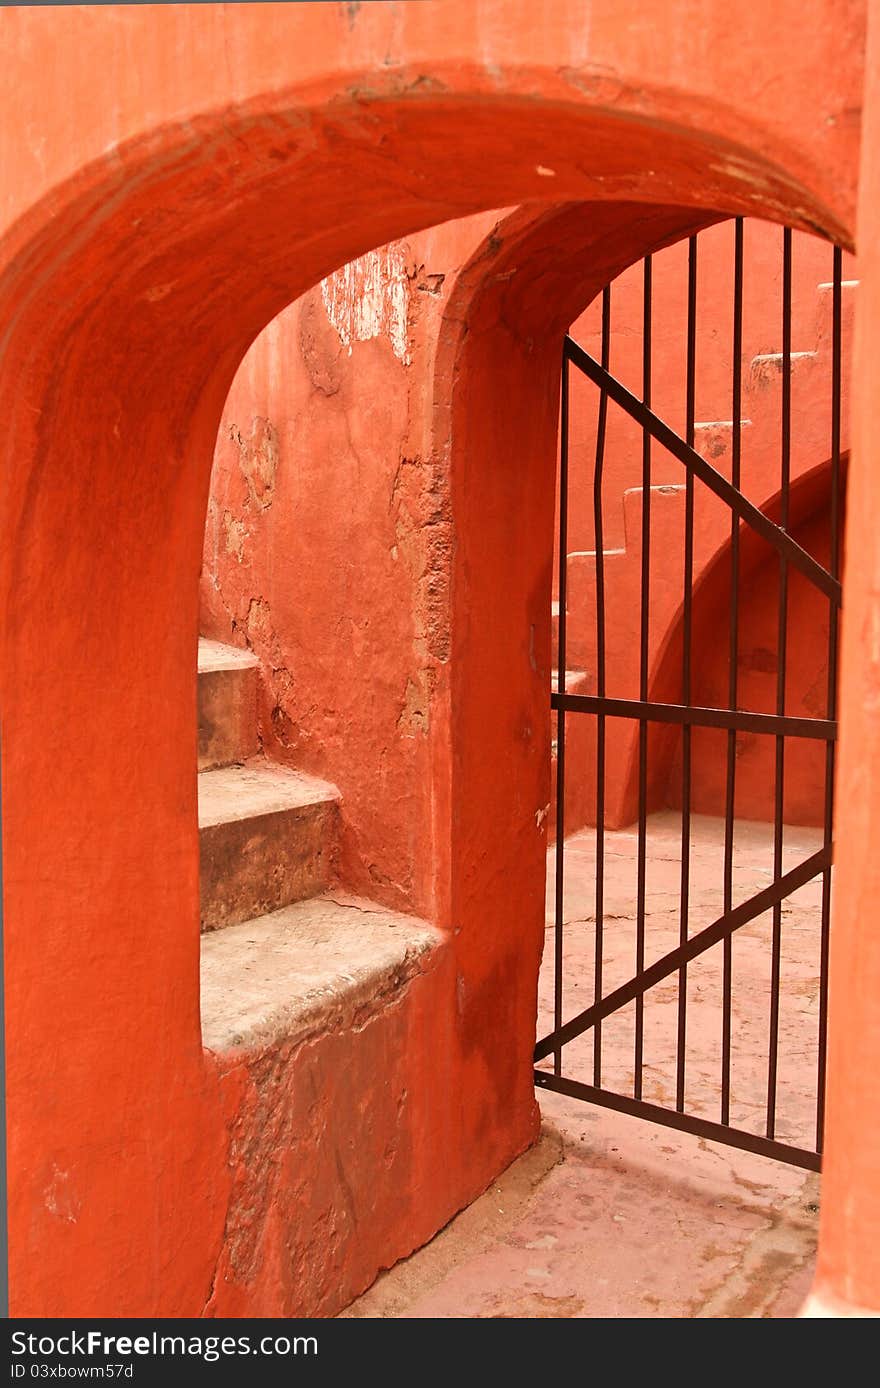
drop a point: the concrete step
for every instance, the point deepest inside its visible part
(573, 680)
(767, 366)
(824, 315)
(713, 438)
(227, 702)
(268, 837)
(847, 286)
(317, 967)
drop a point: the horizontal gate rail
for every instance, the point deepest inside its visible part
(697, 465)
(724, 926)
(690, 715)
(682, 1122)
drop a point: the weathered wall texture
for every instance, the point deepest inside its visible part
(848, 1269)
(333, 1149)
(328, 546)
(174, 176)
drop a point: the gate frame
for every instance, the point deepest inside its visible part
(688, 715)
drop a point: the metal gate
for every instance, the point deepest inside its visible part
(772, 528)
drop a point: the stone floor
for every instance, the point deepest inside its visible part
(611, 1216)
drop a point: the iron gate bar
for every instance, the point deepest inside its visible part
(687, 634)
(831, 709)
(719, 485)
(697, 944)
(694, 715)
(733, 661)
(642, 865)
(781, 668)
(600, 682)
(682, 1122)
(561, 661)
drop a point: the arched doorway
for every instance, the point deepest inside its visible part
(130, 292)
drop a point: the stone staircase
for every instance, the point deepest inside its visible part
(283, 958)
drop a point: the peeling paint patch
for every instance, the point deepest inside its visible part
(235, 534)
(414, 714)
(258, 626)
(737, 168)
(60, 1199)
(258, 460)
(369, 298)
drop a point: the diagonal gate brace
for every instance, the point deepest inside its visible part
(692, 460)
(698, 944)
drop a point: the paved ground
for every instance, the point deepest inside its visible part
(609, 1216)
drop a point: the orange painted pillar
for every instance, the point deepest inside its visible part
(848, 1270)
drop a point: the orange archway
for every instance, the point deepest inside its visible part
(129, 291)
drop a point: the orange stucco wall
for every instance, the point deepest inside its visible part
(806, 688)
(175, 176)
(337, 577)
(848, 1271)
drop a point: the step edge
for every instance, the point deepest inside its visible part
(301, 1017)
(721, 423)
(233, 660)
(761, 357)
(319, 793)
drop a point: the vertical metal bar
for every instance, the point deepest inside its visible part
(560, 713)
(600, 684)
(687, 634)
(733, 660)
(833, 618)
(643, 676)
(781, 645)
